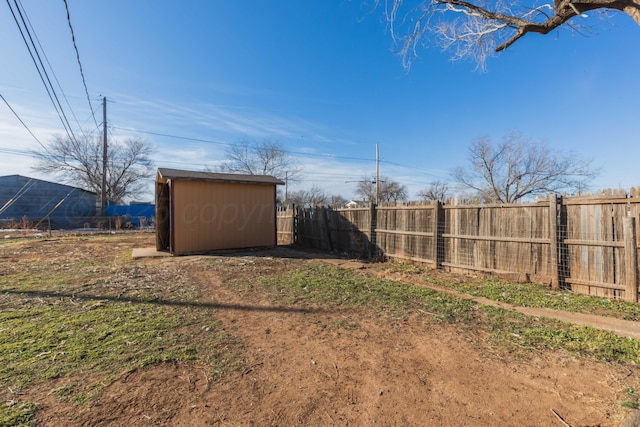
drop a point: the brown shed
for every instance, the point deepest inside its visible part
(200, 212)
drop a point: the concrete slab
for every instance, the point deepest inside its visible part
(148, 253)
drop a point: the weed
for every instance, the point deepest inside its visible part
(632, 401)
(346, 324)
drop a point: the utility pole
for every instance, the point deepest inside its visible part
(377, 173)
(286, 186)
(103, 205)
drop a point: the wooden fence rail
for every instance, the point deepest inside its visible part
(586, 244)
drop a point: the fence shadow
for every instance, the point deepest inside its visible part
(343, 233)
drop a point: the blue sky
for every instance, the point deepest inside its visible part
(320, 77)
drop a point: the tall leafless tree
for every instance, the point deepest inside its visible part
(337, 200)
(261, 158)
(78, 161)
(518, 168)
(437, 190)
(477, 29)
(388, 190)
(315, 196)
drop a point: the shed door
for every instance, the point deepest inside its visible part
(163, 217)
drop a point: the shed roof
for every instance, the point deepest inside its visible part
(178, 174)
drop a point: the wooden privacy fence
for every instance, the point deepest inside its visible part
(587, 244)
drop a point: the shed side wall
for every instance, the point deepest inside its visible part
(212, 216)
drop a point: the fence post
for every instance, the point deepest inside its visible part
(300, 229)
(553, 242)
(630, 258)
(438, 247)
(372, 231)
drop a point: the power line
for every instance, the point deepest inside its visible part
(431, 172)
(55, 77)
(84, 82)
(15, 152)
(425, 171)
(21, 121)
(208, 141)
(174, 136)
(49, 88)
(308, 176)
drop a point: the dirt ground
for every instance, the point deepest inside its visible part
(300, 369)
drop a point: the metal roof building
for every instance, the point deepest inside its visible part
(38, 200)
(199, 212)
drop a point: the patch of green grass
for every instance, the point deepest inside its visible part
(82, 323)
(67, 339)
(62, 338)
(345, 288)
(517, 332)
(17, 414)
(23, 280)
(7, 241)
(532, 295)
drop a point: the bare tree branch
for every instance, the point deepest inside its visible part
(477, 29)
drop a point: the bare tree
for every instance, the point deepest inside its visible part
(261, 158)
(437, 190)
(388, 190)
(517, 168)
(315, 196)
(337, 200)
(476, 29)
(79, 161)
(297, 197)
